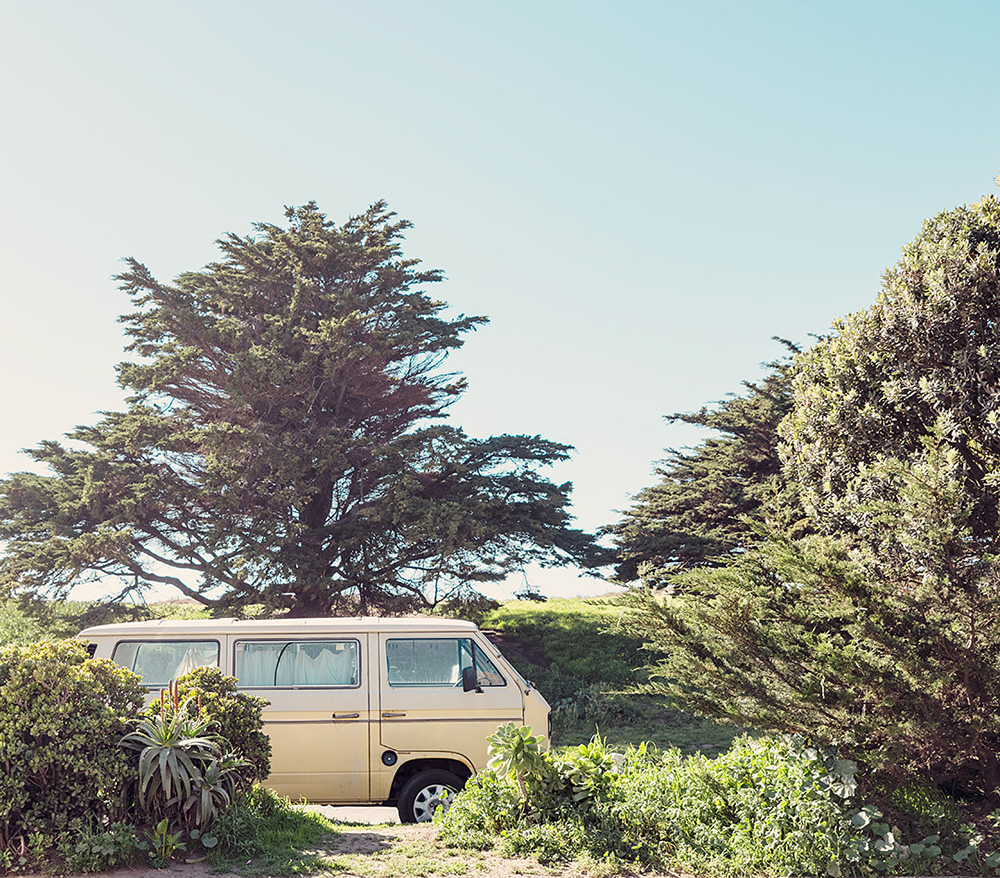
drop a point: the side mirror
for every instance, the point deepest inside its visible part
(470, 682)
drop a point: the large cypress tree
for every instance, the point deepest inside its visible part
(283, 442)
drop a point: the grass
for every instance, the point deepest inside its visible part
(265, 834)
(403, 857)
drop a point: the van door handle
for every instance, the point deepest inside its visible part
(389, 713)
(346, 715)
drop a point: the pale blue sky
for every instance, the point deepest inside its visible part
(639, 195)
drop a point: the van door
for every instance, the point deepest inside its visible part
(423, 706)
(319, 712)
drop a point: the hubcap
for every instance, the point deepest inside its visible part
(429, 799)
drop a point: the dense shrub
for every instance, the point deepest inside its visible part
(61, 717)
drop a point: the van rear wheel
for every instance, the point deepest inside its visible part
(424, 793)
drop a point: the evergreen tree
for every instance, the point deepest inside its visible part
(882, 635)
(283, 442)
(696, 515)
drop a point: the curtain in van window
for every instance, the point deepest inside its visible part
(159, 662)
(292, 663)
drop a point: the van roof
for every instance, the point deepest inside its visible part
(393, 624)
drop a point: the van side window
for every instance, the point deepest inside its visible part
(158, 662)
(284, 663)
(437, 662)
(486, 671)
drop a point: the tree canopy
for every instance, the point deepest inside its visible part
(696, 515)
(283, 442)
(921, 362)
(882, 632)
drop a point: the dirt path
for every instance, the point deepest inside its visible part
(388, 851)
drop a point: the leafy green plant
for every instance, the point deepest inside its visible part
(98, 848)
(515, 752)
(164, 844)
(588, 771)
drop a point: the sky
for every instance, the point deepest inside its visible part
(639, 195)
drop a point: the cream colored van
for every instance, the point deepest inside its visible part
(361, 710)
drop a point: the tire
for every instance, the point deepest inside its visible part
(424, 792)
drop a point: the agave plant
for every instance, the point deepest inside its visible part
(182, 770)
(213, 791)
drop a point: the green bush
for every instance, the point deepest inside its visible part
(101, 848)
(61, 717)
(184, 779)
(767, 806)
(235, 716)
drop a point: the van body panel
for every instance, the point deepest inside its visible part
(320, 738)
(441, 717)
(356, 705)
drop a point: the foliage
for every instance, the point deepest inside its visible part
(517, 753)
(895, 439)
(164, 844)
(101, 848)
(185, 778)
(17, 626)
(234, 716)
(884, 633)
(795, 637)
(556, 628)
(695, 515)
(28, 619)
(61, 715)
(920, 363)
(543, 642)
(767, 806)
(282, 442)
(469, 605)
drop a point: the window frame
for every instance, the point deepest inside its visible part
(139, 643)
(471, 652)
(288, 641)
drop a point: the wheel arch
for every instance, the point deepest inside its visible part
(412, 768)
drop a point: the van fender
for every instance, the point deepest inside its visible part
(413, 764)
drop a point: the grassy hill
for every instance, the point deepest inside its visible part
(594, 674)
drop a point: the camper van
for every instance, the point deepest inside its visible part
(360, 710)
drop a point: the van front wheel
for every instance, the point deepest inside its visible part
(424, 793)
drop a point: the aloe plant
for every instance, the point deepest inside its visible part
(184, 775)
